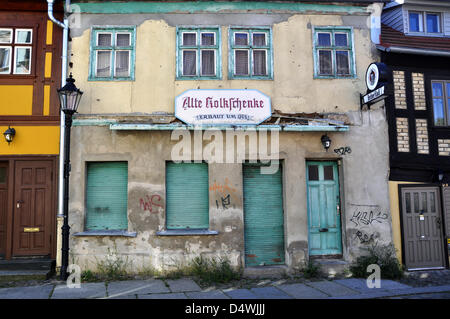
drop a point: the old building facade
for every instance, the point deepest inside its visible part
(415, 43)
(152, 185)
(30, 71)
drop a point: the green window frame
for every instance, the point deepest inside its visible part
(334, 53)
(195, 48)
(106, 196)
(111, 43)
(254, 43)
(187, 196)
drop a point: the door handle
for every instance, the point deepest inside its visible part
(20, 202)
(323, 230)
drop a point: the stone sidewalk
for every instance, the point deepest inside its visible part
(187, 289)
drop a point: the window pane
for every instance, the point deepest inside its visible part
(416, 203)
(259, 39)
(324, 39)
(23, 36)
(5, 56)
(342, 62)
(104, 39)
(5, 35)
(313, 173)
(328, 173)
(325, 66)
(259, 62)
(424, 202)
(415, 22)
(189, 39)
(433, 23)
(103, 64)
(122, 64)
(438, 111)
(207, 38)
(123, 39)
(340, 40)
(208, 62)
(189, 62)
(437, 89)
(432, 203)
(241, 39)
(408, 202)
(241, 62)
(23, 61)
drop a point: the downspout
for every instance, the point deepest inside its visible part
(65, 26)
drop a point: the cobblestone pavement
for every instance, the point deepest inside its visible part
(426, 278)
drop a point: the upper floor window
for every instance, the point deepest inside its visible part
(333, 52)
(198, 53)
(441, 102)
(424, 22)
(250, 53)
(112, 53)
(16, 46)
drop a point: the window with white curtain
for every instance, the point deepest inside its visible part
(198, 53)
(250, 53)
(112, 53)
(333, 52)
(16, 46)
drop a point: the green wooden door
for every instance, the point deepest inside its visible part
(263, 217)
(324, 222)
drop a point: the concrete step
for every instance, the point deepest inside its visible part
(27, 264)
(274, 272)
(20, 275)
(332, 267)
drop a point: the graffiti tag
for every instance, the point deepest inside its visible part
(225, 188)
(364, 238)
(151, 203)
(368, 218)
(226, 201)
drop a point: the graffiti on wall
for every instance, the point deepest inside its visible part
(223, 192)
(151, 203)
(364, 238)
(364, 218)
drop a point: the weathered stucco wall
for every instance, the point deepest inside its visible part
(364, 194)
(292, 88)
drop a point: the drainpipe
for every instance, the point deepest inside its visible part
(65, 26)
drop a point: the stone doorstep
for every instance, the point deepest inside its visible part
(332, 267)
(265, 272)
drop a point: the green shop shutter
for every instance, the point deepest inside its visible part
(263, 217)
(187, 195)
(106, 196)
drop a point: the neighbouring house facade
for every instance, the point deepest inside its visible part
(415, 43)
(157, 182)
(30, 71)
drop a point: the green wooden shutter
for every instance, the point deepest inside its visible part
(106, 196)
(187, 196)
(263, 217)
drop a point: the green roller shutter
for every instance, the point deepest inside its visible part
(187, 196)
(106, 196)
(263, 217)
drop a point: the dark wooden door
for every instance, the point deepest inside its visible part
(32, 208)
(422, 228)
(3, 205)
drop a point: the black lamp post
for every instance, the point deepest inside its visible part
(326, 142)
(69, 97)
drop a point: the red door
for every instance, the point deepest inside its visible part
(32, 208)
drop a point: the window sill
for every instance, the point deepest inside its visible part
(119, 233)
(186, 232)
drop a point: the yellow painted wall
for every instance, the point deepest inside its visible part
(31, 140)
(395, 214)
(291, 90)
(16, 99)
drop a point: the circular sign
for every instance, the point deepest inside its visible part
(372, 76)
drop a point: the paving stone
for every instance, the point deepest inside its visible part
(89, 290)
(163, 296)
(332, 288)
(301, 291)
(360, 285)
(133, 287)
(122, 297)
(34, 292)
(214, 294)
(270, 293)
(240, 294)
(183, 285)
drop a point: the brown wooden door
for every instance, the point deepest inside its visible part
(32, 208)
(422, 228)
(3, 205)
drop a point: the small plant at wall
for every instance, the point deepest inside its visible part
(311, 270)
(384, 256)
(113, 266)
(213, 270)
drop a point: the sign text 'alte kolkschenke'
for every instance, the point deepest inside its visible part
(218, 107)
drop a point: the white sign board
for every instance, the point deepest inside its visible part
(222, 107)
(374, 95)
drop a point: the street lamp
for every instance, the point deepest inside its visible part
(69, 97)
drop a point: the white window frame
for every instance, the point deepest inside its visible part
(188, 32)
(200, 40)
(122, 46)
(253, 58)
(129, 62)
(11, 38)
(25, 29)
(423, 15)
(9, 58)
(98, 36)
(201, 70)
(248, 62)
(243, 45)
(96, 63)
(15, 59)
(182, 61)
